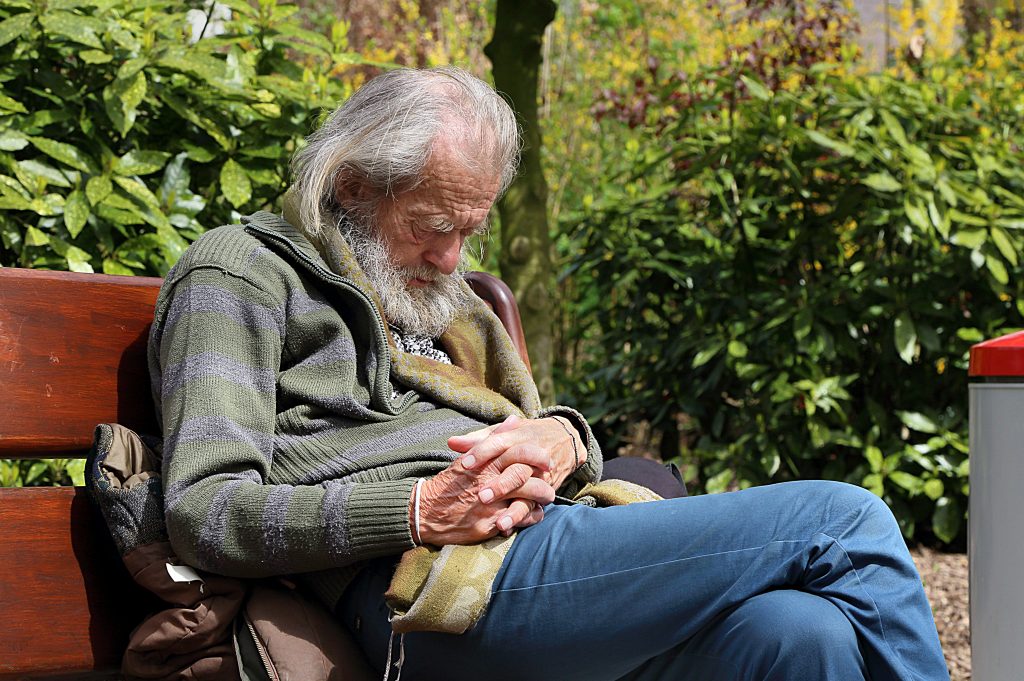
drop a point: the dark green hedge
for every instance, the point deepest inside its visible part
(120, 140)
(789, 282)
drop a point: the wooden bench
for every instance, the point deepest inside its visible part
(73, 354)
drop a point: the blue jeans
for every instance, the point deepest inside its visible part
(791, 582)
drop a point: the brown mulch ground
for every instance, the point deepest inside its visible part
(945, 581)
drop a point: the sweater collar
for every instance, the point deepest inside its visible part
(487, 377)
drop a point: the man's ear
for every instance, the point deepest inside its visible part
(352, 191)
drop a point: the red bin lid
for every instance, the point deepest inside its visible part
(1002, 356)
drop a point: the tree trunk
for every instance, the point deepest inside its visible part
(977, 17)
(526, 260)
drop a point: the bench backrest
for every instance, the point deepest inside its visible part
(73, 354)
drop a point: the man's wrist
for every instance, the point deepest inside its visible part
(579, 449)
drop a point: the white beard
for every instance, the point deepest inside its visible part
(423, 311)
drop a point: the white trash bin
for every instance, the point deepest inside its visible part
(996, 519)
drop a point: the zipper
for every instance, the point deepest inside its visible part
(382, 345)
(268, 666)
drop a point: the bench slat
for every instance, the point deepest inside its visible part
(67, 604)
(72, 354)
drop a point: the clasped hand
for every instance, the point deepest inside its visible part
(504, 477)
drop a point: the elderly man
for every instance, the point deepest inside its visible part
(332, 395)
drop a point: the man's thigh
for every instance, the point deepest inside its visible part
(594, 593)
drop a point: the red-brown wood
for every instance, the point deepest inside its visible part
(72, 354)
(67, 604)
(499, 296)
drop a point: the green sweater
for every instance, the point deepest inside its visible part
(285, 450)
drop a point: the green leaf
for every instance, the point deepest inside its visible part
(95, 56)
(802, 323)
(1010, 223)
(131, 67)
(719, 482)
(12, 140)
(111, 266)
(31, 171)
(874, 483)
(205, 68)
(970, 238)
(704, 356)
(137, 190)
(71, 26)
(197, 153)
(997, 269)
(917, 216)
(141, 162)
(893, 127)
(8, 104)
(841, 148)
(34, 237)
(75, 468)
(234, 183)
(76, 212)
(121, 100)
(934, 488)
(917, 421)
(874, 456)
(882, 182)
(966, 219)
(14, 26)
(757, 90)
(905, 336)
(1002, 241)
(11, 201)
(98, 188)
(78, 260)
(65, 153)
(737, 348)
(947, 519)
(909, 482)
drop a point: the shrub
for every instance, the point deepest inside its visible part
(793, 280)
(121, 140)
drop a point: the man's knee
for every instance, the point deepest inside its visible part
(843, 500)
(793, 634)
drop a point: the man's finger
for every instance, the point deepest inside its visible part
(508, 481)
(510, 484)
(464, 443)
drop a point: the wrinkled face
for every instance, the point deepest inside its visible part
(411, 247)
(425, 229)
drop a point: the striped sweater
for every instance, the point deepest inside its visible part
(293, 429)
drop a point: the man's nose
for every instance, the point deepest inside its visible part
(445, 251)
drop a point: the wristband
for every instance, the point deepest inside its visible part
(416, 512)
(575, 448)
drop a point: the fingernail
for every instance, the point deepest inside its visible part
(486, 496)
(551, 463)
(468, 461)
(505, 522)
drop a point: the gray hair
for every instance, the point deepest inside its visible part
(384, 133)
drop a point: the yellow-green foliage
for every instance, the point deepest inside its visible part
(788, 263)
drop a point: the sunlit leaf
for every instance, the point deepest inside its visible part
(98, 188)
(905, 337)
(917, 421)
(883, 182)
(141, 162)
(14, 26)
(65, 153)
(76, 212)
(234, 183)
